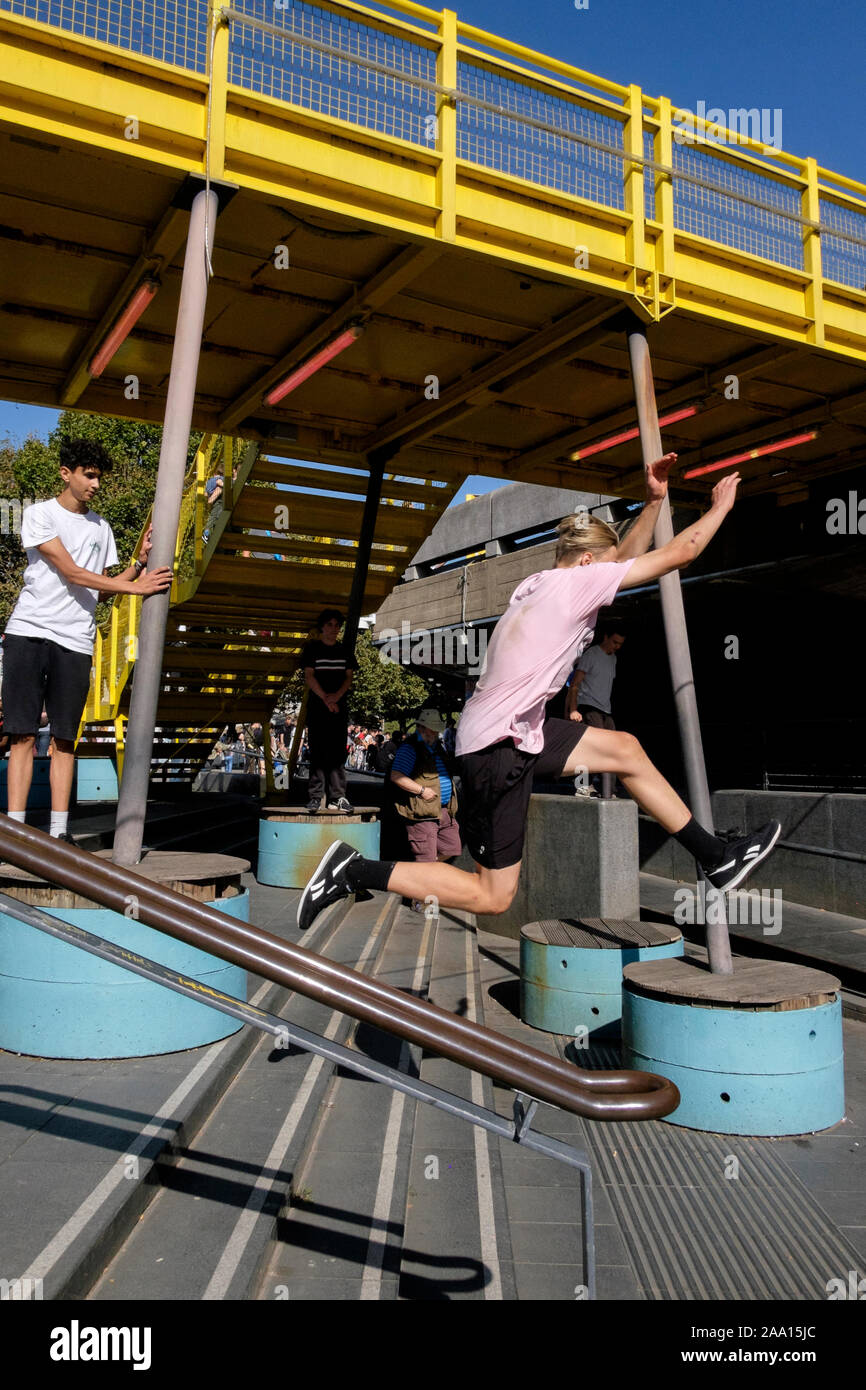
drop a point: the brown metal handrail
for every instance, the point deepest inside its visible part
(617, 1095)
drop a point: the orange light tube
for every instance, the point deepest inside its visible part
(313, 364)
(626, 435)
(747, 454)
(123, 327)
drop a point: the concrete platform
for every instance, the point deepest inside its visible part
(804, 935)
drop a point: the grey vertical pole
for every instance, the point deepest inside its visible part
(676, 633)
(132, 801)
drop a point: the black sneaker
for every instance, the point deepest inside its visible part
(742, 856)
(328, 884)
(341, 804)
(65, 839)
(312, 806)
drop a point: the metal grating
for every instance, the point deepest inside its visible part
(172, 31)
(843, 259)
(692, 1233)
(736, 206)
(496, 127)
(341, 84)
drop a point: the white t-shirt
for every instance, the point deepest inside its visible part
(48, 606)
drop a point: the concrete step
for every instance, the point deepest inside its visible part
(342, 1235)
(82, 1144)
(205, 1233)
(456, 1243)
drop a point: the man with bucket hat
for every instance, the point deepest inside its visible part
(423, 778)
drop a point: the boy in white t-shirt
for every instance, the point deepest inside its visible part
(48, 646)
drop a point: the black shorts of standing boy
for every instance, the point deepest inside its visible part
(37, 672)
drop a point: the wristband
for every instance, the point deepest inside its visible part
(139, 565)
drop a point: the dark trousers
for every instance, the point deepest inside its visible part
(327, 758)
(600, 719)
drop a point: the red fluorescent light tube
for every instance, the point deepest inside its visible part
(123, 327)
(312, 364)
(752, 454)
(631, 434)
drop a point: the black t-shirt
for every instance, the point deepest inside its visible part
(330, 665)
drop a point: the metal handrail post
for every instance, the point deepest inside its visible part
(132, 801)
(676, 632)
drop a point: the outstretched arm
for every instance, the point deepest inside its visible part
(54, 550)
(685, 547)
(639, 536)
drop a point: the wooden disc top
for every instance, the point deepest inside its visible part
(200, 876)
(754, 984)
(303, 816)
(597, 933)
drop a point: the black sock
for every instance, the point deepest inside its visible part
(706, 848)
(369, 873)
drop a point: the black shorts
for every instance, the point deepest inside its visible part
(497, 785)
(39, 672)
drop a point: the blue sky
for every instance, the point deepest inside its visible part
(804, 58)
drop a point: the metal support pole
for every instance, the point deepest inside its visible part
(676, 633)
(365, 547)
(132, 801)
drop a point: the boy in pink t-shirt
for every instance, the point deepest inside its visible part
(504, 739)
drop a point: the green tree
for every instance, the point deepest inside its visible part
(382, 689)
(31, 472)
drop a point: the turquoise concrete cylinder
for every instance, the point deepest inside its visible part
(95, 779)
(290, 850)
(59, 1001)
(40, 788)
(741, 1071)
(563, 988)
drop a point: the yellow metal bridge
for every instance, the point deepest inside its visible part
(478, 214)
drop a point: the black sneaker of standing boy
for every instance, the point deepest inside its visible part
(328, 884)
(742, 856)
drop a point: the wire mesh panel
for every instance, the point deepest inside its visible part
(736, 206)
(559, 155)
(649, 185)
(843, 256)
(340, 83)
(173, 31)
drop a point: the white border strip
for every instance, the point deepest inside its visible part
(220, 1280)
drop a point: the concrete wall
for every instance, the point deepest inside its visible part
(579, 860)
(823, 820)
(438, 600)
(514, 509)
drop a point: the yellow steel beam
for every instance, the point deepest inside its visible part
(160, 251)
(403, 268)
(457, 400)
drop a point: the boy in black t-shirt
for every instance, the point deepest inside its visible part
(328, 669)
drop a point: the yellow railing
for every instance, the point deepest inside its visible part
(489, 146)
(116, 645)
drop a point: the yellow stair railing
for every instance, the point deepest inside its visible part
(116, 645)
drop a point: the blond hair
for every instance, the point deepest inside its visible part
(581, 533)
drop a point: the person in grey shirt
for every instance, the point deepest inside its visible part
(589, 692)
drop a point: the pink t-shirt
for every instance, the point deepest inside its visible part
(549, 621)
